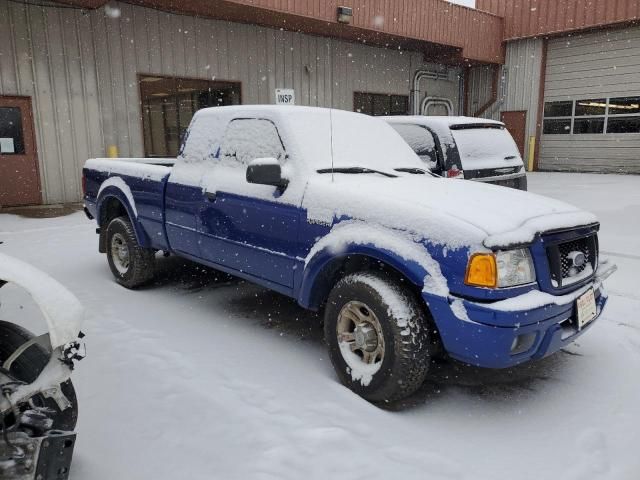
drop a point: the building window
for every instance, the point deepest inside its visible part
(168, 104)
(624, 115)
(592, 116)
(11, 134)
(597, 106)
(380, 104)
(557, 118)
(557, 126)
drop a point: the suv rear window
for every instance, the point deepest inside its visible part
(485, 146)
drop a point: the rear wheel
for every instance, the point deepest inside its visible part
(131, 264)
(28, 366)
(377, 336)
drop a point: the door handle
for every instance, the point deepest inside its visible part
(211, 196)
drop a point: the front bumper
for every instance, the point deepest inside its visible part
(485, 334)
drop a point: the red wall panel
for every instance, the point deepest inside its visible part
(530, 18)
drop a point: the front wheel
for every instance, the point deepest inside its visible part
(377, 335)
(27, 367)
(131, 264)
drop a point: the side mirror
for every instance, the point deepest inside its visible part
(266, 171)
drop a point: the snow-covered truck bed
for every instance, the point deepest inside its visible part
(335, 210)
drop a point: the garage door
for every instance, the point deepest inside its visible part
(592, 103)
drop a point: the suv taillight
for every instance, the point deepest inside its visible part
(454, 173)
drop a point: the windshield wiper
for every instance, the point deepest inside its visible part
(355, 170)
(414, 170)
(417, 171)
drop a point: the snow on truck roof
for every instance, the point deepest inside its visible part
(441, 121)
(314, 135)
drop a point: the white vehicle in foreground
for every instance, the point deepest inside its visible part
(38, 405)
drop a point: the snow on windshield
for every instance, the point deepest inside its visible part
(353, 140)
(486, 148)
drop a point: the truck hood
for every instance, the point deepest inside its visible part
(492, 215)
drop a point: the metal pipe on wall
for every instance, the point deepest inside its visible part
(415, 87)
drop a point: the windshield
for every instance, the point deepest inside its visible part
(485, 147)
(351, 140)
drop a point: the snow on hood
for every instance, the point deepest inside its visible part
(61, 309)
(451, 212)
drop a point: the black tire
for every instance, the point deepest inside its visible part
(405, 362)
(141, 261)
(28, 366)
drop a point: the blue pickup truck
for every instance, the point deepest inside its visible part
(334, 209)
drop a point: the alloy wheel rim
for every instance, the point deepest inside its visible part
(120, 253)
(359, 328)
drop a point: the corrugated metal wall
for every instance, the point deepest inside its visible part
(477, 33)
(518, 88)
(529, 18)
(594, 65)
(81, 71)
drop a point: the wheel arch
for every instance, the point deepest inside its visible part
(113, 203)
(325, 269)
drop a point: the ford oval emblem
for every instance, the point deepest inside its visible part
(577, 258)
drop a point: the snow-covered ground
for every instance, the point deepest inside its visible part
(203, 376)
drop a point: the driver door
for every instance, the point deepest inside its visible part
(251, 229)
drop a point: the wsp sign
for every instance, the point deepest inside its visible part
(285, 96)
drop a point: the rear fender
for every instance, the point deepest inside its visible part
(116, 192)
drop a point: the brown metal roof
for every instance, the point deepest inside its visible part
(444, 31)
(530, 18)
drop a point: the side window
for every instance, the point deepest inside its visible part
(248, 139)
(421, 141)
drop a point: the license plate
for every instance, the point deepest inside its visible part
(586, 308)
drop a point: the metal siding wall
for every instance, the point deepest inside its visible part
(480, 84)
(530, 18)
(430, 20)
(594, 65)
(522, 70)
(523, 64)
(42, 56)
(81, 72)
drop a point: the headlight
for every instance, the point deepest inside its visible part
(501, 269)
(515, 267)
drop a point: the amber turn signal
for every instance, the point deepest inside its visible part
(482, 271)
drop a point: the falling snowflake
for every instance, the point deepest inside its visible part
(112, 10)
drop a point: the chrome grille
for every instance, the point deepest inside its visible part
(580, 245)
(562, 268)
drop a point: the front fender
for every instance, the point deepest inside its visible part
(395, 249)
(61, 309)
(115, 187)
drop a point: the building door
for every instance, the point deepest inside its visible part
(516, 123)
(19, 176)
